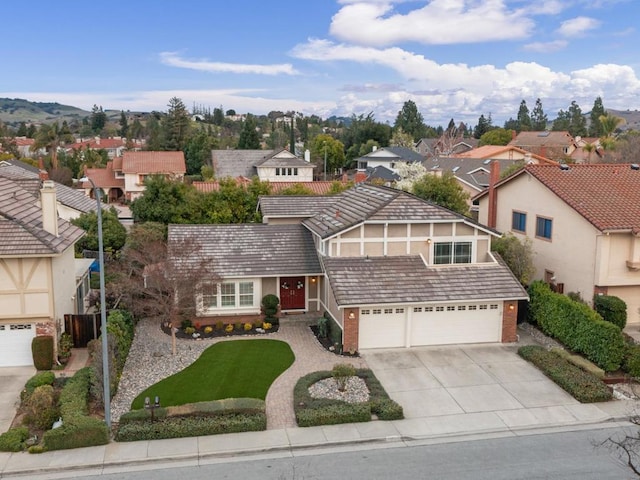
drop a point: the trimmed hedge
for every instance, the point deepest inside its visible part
(323, 411)
(42, 351)
(77, 430)
(194, 419)
(13, 440)
(583, 386)
(612, 309)
(39, 379)
(631, 363)
(577, 326)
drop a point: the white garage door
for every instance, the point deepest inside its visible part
(15, 344)
(459, 323)
(382, 327)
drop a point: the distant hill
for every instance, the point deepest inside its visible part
(631, 118)
(16, 110)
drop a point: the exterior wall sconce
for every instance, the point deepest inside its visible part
(313, 279)
(512, 306)
(428, 241)
(352, 316)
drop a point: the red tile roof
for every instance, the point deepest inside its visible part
(94, 144)
(103, 177)
(490, 151)
(153, 162)
(607, 195)
(318, 188)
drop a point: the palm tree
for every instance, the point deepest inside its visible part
(51, 137)
(609, 124)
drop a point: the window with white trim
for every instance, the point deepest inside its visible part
(451, 252)
(377, 311)
(417, 309)
(232, 294)
(450, 308)
(365, 312)
(472, 307)
(494, 307)
(399, 310)
(228, 295)
(428, 309)
(439, 309)
(246, 294)
(387, 311)
(209, 296)
(462, 307)
(483, 307)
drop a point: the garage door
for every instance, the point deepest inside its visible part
(15, 344)
(382, 327)
(456, 323)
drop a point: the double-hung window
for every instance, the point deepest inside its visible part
(228, 295)
(519, 222)
(451, 252)
(544, 227)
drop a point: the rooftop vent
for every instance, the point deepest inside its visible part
(635, 166)
(455, 169)
(564, 166)
(487, 161)
(543, 134)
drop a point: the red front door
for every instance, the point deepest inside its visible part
(292, 295)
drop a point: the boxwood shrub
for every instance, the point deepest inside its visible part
(583, 386)
(612, 309)
(13, 440)
(229, 415)
(77, 430)
(42, 351)
(323, 411)
(577, 326)
(39, 379)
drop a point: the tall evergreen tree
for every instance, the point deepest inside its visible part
(562, 121)
(578, 124)
(124, 125)
(98, 119)
(483, 126)
(410, 120)
(218, 116)
(595, 126)
(176, 124)
(249, 138)
(524, 120)
(292, 135)
(538, 118)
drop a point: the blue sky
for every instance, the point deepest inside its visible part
(454, 58)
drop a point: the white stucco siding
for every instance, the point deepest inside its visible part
(571, 252)
(25, 286)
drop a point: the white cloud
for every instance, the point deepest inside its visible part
(375, 23)
(546, 47)
(172, 59)
(577, 26)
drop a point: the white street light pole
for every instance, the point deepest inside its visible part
(103, 312)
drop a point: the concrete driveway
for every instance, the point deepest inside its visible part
(12, 380)
(485, 384)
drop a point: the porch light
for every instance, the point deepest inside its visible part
(313, 279)
(428, 241)
(512, 306)
(352, 315)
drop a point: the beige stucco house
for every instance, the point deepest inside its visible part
(391, 269)
(584, 222)
(40, 279)
(268, 165)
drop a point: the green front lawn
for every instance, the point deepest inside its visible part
(232, 369)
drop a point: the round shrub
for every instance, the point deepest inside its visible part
(13, 440)
(612, 309)
(40, 378)
(631, 363)
(42, 351)
(40, 408)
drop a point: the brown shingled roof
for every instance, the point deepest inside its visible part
(607, 195)
(153, 162)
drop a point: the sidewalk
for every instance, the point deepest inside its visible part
(194, 451)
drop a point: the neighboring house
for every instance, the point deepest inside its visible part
(503, 152)
(26, 149)
(588, 150)
(556, 146)
(267, 165)
(114, 147)
(444, 146)
(318, 188)
(133, 168)
(391, 269)
(388, 157)
(71, 202)
(584, 222)
(381, 175)
(40, 280)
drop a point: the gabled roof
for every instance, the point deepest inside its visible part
(97, 144)
(29, 180)
(382, 173)
(606, 195)
(375, 204)
(492, 151)
(406, 279)
(286, 206)
(284, 158)
(21, 231)
(542, 139)
(250, 250)
(237, 163)
(393, 154)
(103, 177)
(149, 162)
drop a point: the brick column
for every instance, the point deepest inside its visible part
(509, 321)
(350, 321)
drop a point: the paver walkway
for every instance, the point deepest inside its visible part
(310, 357)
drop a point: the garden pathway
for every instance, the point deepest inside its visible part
(150, 360)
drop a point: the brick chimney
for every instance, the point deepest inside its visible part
(494, 177)
(49, 207)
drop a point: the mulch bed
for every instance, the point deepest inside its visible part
(217, 332)
(328, 344)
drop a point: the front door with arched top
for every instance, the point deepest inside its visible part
(292, 293)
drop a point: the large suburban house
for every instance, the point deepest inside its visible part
(124, 176)
(40, 280)
(389, 157)
(71, 202)
(557, 146)
(583, 222)
(390, 269)
(267, 165)
(114, 147)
